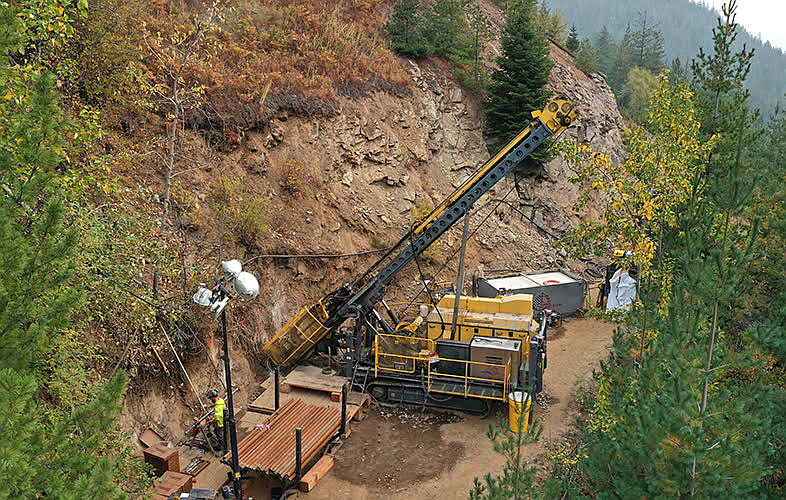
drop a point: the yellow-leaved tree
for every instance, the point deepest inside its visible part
(646, 192)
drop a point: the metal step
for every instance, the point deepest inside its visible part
(475, 390)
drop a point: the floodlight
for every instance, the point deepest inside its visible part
(246, 285)
(203, 296)
(231, 268)
(218, 306)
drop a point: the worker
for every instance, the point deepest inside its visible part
(218, 416)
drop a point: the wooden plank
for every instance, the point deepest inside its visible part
(315, 382)
(316, 473)
(150, 437)
(212, 477)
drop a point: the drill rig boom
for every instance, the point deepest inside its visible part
(359, 299)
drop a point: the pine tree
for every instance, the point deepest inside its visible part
(406, 30)
(624, 61)
(517, 479)
(479, 34)
(444, 28)
(678, 71)
(518, 86)
(37, 253)
(647, 42)
(670, 420)
(56, 455)
(550, 23)
(655, 55)
(718, 79)
(59, 430)
(586, 58)
(573, 43)
(686, 408)
(606, 48)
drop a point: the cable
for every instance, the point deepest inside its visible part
(456, 251)
(423, 280)
(315, 256)
(509, 204)
(477, 228)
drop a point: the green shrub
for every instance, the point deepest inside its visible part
(293, 176)
(417, 213)
(240, 211)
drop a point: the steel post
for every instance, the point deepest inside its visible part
(278, 387)
(236, 481)
(298, 454)
(343, 429)
(460, 279)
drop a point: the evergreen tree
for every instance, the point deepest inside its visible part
(550, 23)
(624, 61)
(406, 30)
(769, 158)
(678, 71)
(655, 55)
(685, 408)
(444, 28)
(53, 450)
(58, 426)
(518, 86)
(670, 420)
(718, 79)
(517, 479)
(573, 43)
(586, 59)
(480, 33)
(648, 45)
(606, 48)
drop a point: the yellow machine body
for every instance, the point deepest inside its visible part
(509, 316)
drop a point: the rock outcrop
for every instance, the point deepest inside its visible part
(367, 167)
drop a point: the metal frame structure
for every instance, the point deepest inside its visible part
(357, 301)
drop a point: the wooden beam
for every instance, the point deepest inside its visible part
(316, 473)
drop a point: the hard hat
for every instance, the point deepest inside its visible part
(212, 393)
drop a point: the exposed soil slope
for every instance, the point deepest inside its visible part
(343, 184)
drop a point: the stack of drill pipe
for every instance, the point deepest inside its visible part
(272, 451)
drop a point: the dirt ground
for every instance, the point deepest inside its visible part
(404, 453)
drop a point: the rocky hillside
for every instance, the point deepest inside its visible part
(351, 182)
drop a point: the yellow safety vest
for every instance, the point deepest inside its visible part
(218, 411)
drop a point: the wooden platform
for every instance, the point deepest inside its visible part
(310, 385)
(307, 378)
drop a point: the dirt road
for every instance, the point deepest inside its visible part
(404, 453)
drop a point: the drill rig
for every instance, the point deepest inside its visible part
(396, 364)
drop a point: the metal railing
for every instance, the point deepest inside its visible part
(299, 335)
(504, 384)
(397, 353)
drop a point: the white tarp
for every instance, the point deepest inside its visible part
(622, 291)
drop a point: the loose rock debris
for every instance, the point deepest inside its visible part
(419, 418)
(398, 446)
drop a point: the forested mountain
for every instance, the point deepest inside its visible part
(686, 26)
